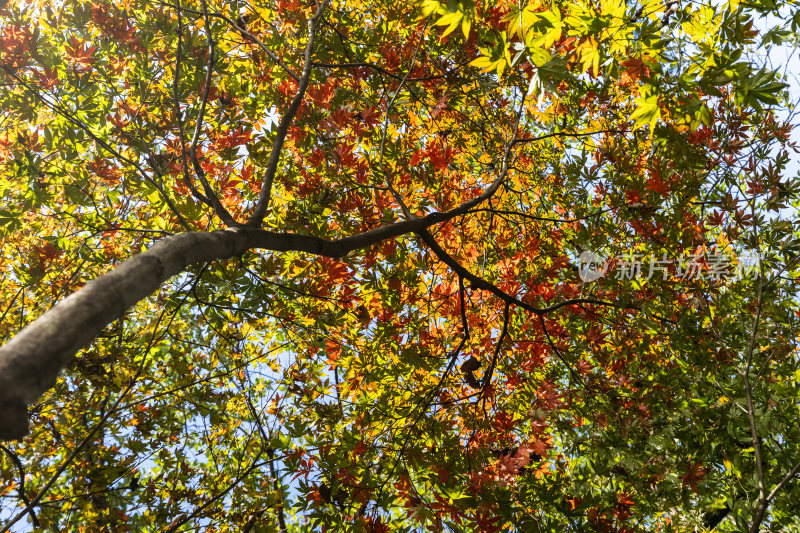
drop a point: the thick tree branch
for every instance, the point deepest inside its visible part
(31, 361)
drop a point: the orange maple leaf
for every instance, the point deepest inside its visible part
(635, 69)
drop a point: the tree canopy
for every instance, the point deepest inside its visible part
(372, 266)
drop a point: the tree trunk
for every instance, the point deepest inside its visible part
(30, 361)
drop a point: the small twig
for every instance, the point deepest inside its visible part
(525, 140)
(11, 303)
(789, 475)
(384, 129)
(283, 127)
(187, 179)
(385, 72)
(541, 219)
(558, 352)
(21, 490)
(487, 378)
(751, 414)
(220, 210)
(462, 296)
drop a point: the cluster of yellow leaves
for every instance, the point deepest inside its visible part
(451, 15)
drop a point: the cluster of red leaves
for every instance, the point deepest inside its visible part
(16, 46)
(115, 25)
(435, 153)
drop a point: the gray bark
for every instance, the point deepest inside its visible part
(31, 361)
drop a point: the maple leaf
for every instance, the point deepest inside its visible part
(334, 351)
(5, 144)
(417, 157)
(440, 158)
(548, 397)
(584, 367)
(15, 44)
(304, 274)
(635, 69)
(694, 474)
(647, 108)
(440, 106)
(370, 116)
(716, 218)
(47, 252)
(48, 77)
(79, 54)
(622, 505)
(539, 447)
(572, 503)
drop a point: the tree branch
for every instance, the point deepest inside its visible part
(21, 490)
(283, 127)
(179, 117)
(31, 361)
(219, 209)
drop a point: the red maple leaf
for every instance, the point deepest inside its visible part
(622, 507)
(371, 116)
(694, 474)
(716, 218)
(504, 421)
(441, 105)
(79, 54)
(635, 68)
